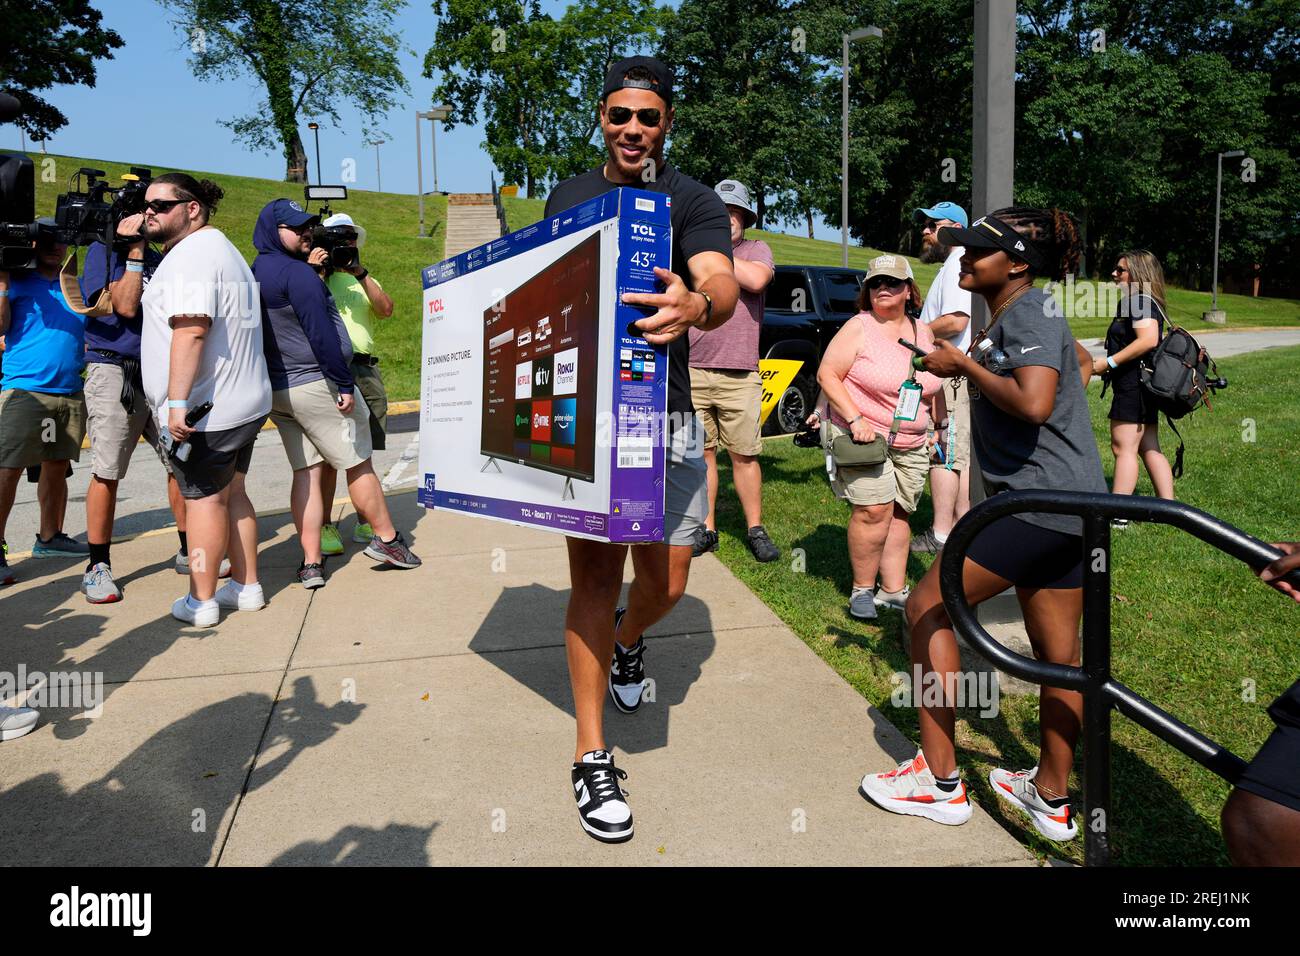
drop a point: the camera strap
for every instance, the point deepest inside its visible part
(71, 290)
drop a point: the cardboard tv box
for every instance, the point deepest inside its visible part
(536, 405)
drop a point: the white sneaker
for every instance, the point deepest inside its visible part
(1016, 787)
(183, 565)
(910, 788)
(205, 615)
(17, 721)
(249, 598)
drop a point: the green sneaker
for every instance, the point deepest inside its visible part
(362, 534)
(330, 542)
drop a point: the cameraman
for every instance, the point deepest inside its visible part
(359, 298)
(116, 411)
(42, 408)
(308, 355)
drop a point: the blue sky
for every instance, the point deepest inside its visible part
(147, 107)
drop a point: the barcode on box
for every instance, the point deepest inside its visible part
(635, 459)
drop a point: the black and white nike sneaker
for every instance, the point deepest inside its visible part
(626, 672)
(603, 812)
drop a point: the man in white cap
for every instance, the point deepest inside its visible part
(360, 298)
(725, 385)
(947, 311)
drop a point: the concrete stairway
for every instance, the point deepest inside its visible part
(471, 221)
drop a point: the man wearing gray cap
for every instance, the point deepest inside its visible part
(725, 385)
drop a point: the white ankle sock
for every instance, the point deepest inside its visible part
(941, 538)
(198, 605)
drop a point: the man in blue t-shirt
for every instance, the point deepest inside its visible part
(42, 411)
(116, 411)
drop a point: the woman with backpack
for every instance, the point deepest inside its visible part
(1031, 430)
(1136, 330)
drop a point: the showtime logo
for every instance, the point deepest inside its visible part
(541, 421)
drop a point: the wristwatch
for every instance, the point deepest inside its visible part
(708, 305)
(361, 276)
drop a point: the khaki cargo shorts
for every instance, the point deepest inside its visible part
(314, 430)
(728, 402)
(957, 399)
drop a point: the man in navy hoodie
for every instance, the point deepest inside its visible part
(308, 353)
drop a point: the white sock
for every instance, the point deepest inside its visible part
(941, 538)
(198, 605)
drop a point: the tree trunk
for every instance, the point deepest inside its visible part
(295, 160)
(761, 211)
(808, 213)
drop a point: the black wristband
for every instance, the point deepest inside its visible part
(361, 276)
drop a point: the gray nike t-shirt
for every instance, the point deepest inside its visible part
(1059, 455)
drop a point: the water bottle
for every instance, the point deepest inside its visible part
(990, 356)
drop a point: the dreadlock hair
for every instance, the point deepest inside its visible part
(1052, 230)
(205, 192)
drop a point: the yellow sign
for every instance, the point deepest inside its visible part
(777, 374)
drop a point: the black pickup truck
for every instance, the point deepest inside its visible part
(805, 307)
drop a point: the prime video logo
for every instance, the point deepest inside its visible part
(75, 909)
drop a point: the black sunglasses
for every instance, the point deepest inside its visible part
(889, 281)
(162, 205)
(650, 116)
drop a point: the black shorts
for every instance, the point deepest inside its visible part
(1029, 556)
(1131, 403)
(1274, 774)
(214, 459)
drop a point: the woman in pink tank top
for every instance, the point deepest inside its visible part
(862, 376)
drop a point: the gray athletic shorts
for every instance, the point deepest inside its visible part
(686, 493)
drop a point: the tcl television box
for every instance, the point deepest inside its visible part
(537, 405)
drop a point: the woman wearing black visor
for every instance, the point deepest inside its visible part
(1031, 429)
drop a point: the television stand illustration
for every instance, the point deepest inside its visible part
(491, 460)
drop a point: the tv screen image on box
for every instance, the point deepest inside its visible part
(539, 367)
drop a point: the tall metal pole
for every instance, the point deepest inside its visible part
(315, 128)
(419, 172)
(433, 141)
(1218, 193)
(844, 158)
(860, 34)
(993, 137)
(379, 173)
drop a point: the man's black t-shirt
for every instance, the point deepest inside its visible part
(700, 224)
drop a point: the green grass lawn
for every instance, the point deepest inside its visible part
(393, 251)
(1190, 625)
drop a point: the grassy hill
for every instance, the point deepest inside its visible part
(393, 251)
(1185, 306)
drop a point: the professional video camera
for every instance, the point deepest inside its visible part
(81, 215)
(335, 239)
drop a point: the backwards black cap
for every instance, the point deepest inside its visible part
(989, 232)
(660, 80)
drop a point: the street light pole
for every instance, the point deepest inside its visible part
(848, 38)
(315, 128)
(1214, 315)
(433, 116)
(379, 174)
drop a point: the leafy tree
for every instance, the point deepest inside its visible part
(48, 43)
(310, 56)
(536, 79)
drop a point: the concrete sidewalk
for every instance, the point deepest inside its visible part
(425, 717)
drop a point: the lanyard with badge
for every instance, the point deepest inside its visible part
(908, 405)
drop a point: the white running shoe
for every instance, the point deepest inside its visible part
(602, 811)
(205, 615)
(910, 788)
(249, 598)
(1016, 787)
(17, 721)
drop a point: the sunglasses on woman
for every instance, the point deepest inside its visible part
(619, 115)
(889, 282)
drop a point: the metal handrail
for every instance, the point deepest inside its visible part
(500, 206)
(1100, 690)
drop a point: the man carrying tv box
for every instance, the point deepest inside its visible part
(604, 642)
